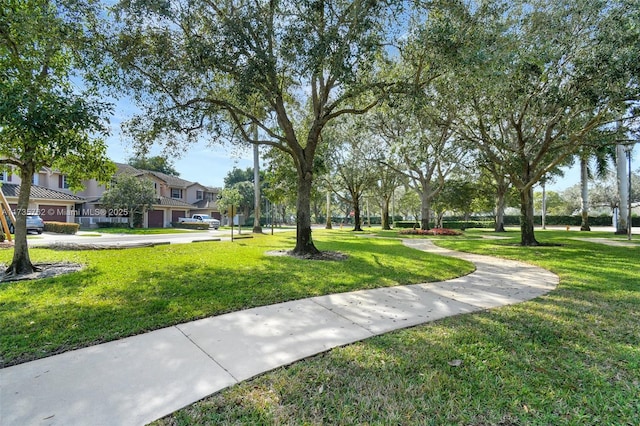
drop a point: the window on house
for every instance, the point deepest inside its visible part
(36, 179)
(5, 176)
(62, 182)
(176, 193)
(199, 195)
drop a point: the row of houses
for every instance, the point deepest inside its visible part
(52, 199)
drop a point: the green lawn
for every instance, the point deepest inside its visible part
(571, 357)
(126, 292)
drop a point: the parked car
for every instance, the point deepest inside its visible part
(34, 223)
(201, 218)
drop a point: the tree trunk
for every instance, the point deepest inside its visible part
(500, 206)
(357, 220)
(526, 217)
(21, 263)
(328, 222)
(304, 242)
(425, 208)
(584, 182)
(386, 225)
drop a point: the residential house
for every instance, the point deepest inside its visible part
(54, 201)
(50, 195)
(172, 199)
(204, 199)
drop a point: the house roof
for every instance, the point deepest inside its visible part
(198, 184)
(172, 202)
(39, 192)
(122, 168)
(173, 181)
(160, 201)
(205, 204)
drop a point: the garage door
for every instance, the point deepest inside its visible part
(52, 213)
(176, 214)
(156, 218)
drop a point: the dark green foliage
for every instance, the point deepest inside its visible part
(156, 163)
(112, 225)
(406, 224)
(61, 227)
(190, 225)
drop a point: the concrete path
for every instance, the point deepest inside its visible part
(136, 380)
(611, 242)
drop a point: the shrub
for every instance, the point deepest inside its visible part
(112, 225)
(434, 231)
(61, 227)
(406, 224)
(461, 224)
(190, 225)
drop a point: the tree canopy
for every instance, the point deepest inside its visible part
(45, 121)
(546, 86)
(155, 163)
(524, 82)
(130, 195)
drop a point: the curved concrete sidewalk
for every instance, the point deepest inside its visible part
(139, 379)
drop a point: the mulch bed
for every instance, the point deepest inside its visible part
(46, 270)
(323, 255)
(434, 231)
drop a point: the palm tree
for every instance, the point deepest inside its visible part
(599, 151)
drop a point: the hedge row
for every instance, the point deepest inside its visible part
(406, 224)
(461, 224)
(561, 220)
(112, 225)
(514, 220)
(61, 227)
(190, 225)
(448, 224)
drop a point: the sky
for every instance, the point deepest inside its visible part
(207, 165)
(572, 174)
(200, 163)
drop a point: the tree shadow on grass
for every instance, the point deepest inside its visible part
(82, 309)
(560, 359)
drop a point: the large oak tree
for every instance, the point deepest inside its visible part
(212, 68)
(553, 74)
